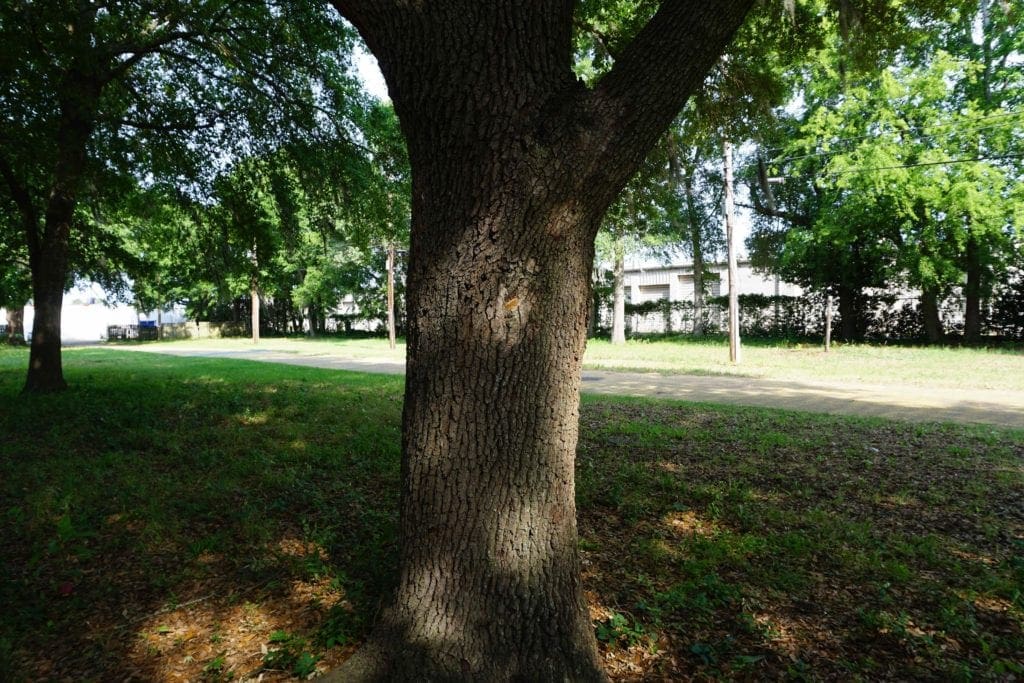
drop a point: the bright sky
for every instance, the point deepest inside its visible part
(369, 73)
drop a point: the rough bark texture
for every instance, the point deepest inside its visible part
(514, 163)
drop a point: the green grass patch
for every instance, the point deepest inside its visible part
(219, 520)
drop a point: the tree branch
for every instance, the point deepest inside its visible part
(171, 127)
(788, 216)
(139, 52)
(365, 14)
(654, 76)
(21, 198)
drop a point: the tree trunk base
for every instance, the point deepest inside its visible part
(388, 658)
(49, 386)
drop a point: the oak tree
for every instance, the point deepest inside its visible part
(514, 161)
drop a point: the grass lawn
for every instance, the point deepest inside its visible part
(960, 368)
(957, 368)
(182, 518)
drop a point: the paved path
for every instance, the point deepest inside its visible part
(917, 404)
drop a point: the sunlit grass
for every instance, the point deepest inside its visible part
(946, 367)
(962, 368)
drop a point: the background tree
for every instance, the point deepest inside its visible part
(897, 180)
(148, 90)
(15, 281)
(738, 95)
(636, 224)
(383, 208)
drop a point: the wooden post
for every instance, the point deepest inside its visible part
(391, 295)
(828, 322)
(734, 310)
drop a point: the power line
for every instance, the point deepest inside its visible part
(950, 124)
(927, 136)
(923, 163)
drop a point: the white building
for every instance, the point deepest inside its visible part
(675, 283)
(87, 312)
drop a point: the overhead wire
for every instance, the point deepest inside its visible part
(951, 125)
(921, 163)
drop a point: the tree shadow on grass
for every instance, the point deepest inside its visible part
(193, 523)
(792, 546)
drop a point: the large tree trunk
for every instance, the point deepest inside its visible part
(489, 587)
(48, 257)
(619, 294)
(49, 275)
(514, 163)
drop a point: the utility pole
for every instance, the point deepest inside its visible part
(734, 309)
(254, 298)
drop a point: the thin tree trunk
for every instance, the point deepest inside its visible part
(391, 296)
(972, 292)
(16, 325)
(619, 294)
(734, 284)
(698, 265)
(693, 230)
(595, 313)
(828, 323)
(849, 315)
(311, 318)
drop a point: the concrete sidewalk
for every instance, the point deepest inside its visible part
(916, 404)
